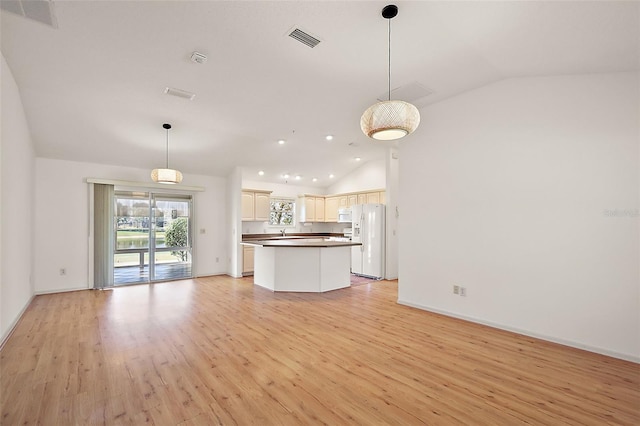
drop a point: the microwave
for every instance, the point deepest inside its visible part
(344, 216)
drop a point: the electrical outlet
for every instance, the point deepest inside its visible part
(456, 289)
(63, 271)
(463, 291)
(217, 259)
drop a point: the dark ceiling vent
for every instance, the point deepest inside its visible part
(304, 38)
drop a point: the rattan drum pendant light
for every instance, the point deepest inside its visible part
(168, 176)
(390, 120)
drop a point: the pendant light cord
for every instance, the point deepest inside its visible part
(167, 148)
(389, 59)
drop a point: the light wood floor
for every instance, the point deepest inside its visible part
(220, 351)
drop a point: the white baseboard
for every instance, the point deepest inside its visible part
(13, 325)
(564, 342)
(209, 274)
(61, 290)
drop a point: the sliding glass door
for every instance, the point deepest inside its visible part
(152, 237)
(171, 237)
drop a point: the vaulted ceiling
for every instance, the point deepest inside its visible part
(93, 88)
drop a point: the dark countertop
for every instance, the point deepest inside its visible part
(246, 237)
(299, 242)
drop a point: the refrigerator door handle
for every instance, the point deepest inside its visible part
(362, 225)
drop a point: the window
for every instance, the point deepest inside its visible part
(282, 212)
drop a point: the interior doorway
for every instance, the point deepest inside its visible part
(152, 237)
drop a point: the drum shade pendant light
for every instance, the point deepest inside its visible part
(168, 176)
(390, 120)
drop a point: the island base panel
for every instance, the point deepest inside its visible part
(335, 268)
(302, 269)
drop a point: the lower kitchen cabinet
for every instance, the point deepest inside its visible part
(247, 260)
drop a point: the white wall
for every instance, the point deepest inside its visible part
(234, 224)
(526, 193)
(16, 205)
(282, 189)
(62, 221)
(370, 175)
(392, 199)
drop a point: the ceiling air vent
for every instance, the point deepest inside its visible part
(304, 38)
(179, 93)
(38, 10)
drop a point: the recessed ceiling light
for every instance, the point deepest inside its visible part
(357, 158)
(331, 176)
(329, 137)
(281, 142)
(298, 177)
(286, 176)
(261, 173)
(315, 179)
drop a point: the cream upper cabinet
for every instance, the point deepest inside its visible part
(369, 197)
(352, 200)
(307, 208)
(319, 209)
(312, 208)
(262, 205)
(331, 208)
(255, 205)
(373, 198)
(248, 204)
(343, 202)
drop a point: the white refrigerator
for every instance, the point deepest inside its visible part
(369, 229)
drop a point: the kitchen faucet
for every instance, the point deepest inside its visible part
(283, 232)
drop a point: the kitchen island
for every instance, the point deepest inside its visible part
(302, 264)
